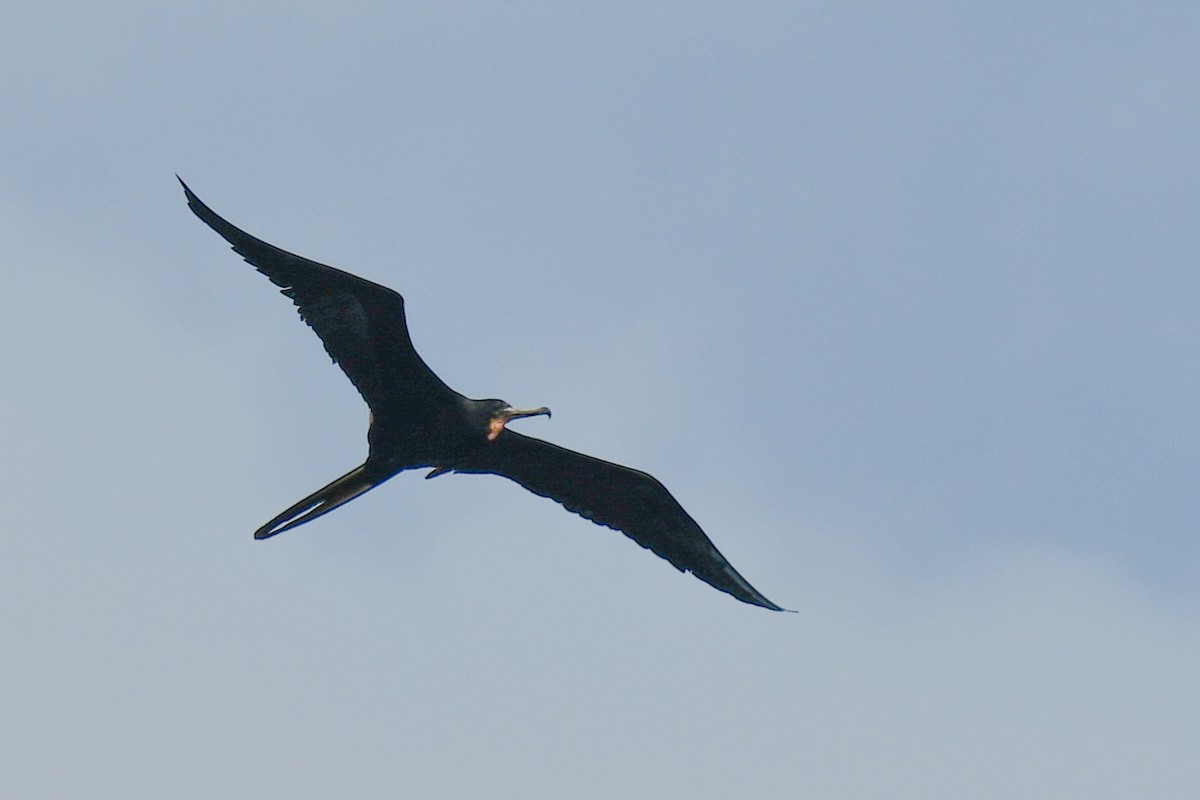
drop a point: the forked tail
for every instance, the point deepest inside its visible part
(322, 501)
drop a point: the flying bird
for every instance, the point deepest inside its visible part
(418, 422)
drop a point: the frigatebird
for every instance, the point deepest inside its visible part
(418, 422)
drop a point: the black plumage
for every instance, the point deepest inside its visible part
(417, 421)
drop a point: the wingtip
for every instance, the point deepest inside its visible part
(774, 607)
(187, 191)
(731, 582)
(767, 604)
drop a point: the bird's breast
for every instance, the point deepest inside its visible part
(421, 438)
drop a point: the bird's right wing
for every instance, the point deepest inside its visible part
(361, 324)
(625, 499)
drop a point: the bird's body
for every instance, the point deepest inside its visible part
(417, 421)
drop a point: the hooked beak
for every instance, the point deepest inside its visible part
(508, 415)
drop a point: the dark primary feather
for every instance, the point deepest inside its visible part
(628, 500)
(361, 324)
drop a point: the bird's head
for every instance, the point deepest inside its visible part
(497, 414)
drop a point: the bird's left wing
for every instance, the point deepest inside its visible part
(625, 499)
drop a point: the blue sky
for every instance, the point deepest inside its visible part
(899, 302)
